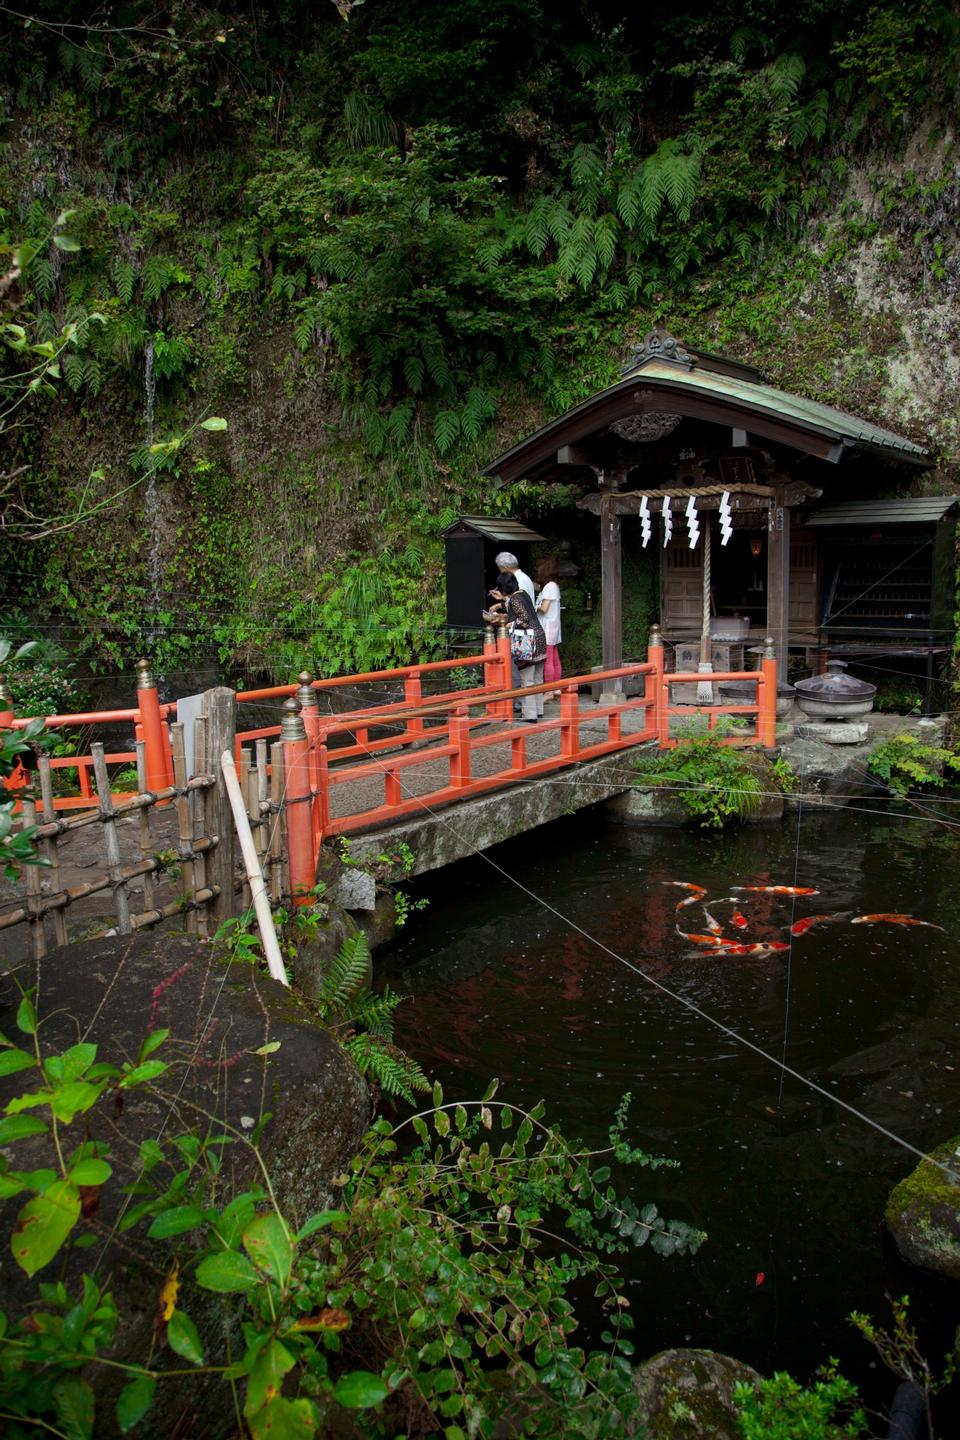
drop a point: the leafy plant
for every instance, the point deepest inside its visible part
(364, 1021)
(899, 1349)
(433, 1297)
(905, 761)
(713, 782)
(782, 1409)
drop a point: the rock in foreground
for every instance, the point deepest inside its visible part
(923, 1212)
(688, 1394)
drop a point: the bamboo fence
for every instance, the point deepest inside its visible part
(160, 850)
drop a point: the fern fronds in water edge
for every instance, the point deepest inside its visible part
(348, 974)
(375, 1012)
(394, 1071)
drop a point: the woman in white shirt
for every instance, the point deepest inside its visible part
(548, 610)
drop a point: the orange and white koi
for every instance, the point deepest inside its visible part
(774, 890)
(893, 920)
(739, 920)
(698, 891)
(713, 940)
(800, 927)
(752, 947)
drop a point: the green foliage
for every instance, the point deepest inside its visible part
(905, 761)
(784, 1410)
(712, 781)
(899, 1349)
(434, 1295)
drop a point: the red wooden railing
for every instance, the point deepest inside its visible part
(420, 732)
(315, 770)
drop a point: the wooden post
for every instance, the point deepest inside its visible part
(611, 581)
(506, 670)
(767, 715)
(49, 846)
(460, 740)
(569, 720)
(778, 578)
(491, 667)
(412, 696)
(220, 712)
(143, 828)
(114, 868)
(296, 764)
(159, 760)
(653, 683)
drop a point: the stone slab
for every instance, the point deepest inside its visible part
(837, 732)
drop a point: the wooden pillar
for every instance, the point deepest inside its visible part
(220, 709)
(778, 578)
(611, 579)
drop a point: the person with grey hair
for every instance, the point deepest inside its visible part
(508, 564)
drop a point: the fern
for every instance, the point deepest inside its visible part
(375, 1012)
(489, 254)
(537, 233)
(413, 373)
(432, 350)
(73, 370)
(348, 974)
(446, 430)
(784, 76)
(305, 326)
(586, 170)
(398, 421)
(478, 410)
(125, 278)
(605, 235)
(810, 122)
(395, 1072)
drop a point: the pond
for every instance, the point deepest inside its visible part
(508, 976)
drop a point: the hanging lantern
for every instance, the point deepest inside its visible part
(667, 521)
(645, 521)
(693, 523)
(726, 518)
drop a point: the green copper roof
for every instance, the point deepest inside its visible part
(666, 378)
(780, 404)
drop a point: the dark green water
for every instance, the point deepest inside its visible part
(787, 1185)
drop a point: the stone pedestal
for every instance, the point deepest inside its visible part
(834, 732)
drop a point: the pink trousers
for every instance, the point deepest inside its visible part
(552, 669)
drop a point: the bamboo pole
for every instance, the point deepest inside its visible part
(199, 801)
(174, 907)
(276, 823)
(184, 826)
(125, 807)
(49, 848)
(93, 887)
(38, 939)
(143, 826)
(110, 840)
(243, 780)
(254, 874)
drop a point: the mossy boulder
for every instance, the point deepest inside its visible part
(688, 1395)
(241, 1047)
(923, 1212)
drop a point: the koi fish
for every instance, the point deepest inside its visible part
(698, 892)
(800, 927)
(713, 940)
(739, 920)
(713, 926)
(893, 920)
(774, 889)
(752, 947)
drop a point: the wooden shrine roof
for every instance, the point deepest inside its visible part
(668, 383)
